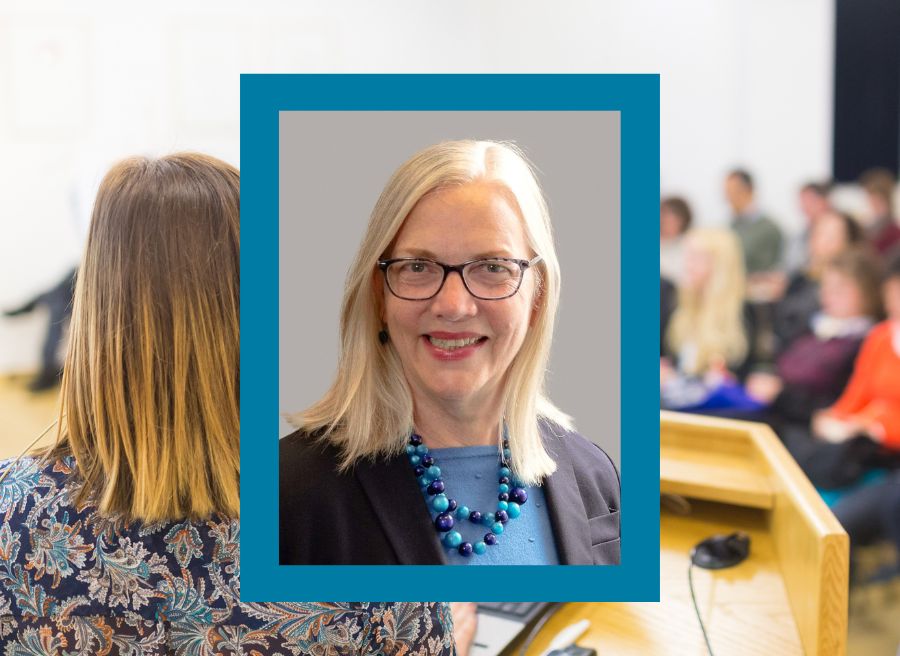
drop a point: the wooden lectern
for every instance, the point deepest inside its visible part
(788, 597)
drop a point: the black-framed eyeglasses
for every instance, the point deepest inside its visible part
(489, 279)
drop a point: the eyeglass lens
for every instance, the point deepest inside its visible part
(421, 279)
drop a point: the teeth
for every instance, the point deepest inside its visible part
(450, 344)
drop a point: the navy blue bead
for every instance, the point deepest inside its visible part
(465, 549)
(504, 480)
(435, 487)
(490, 538)
(415, 439)
(428, 460)
(443, 522)
(501, 516)
(453, 505)
(420, 470)
(505, 444)
(519, 495)
(475, 517)
(503, 496)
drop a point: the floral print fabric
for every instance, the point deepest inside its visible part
(75, 583)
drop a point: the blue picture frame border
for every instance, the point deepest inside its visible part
(636, 97)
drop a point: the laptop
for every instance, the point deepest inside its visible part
(500, 622)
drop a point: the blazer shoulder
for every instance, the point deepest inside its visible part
(593, 466)
(306, 460)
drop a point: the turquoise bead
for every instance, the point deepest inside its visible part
(502, 505)
(435, 472)
(513, 510)
(507, 453)
(479, 548)
(440, 502)
(421, 449)
(424, 480)
(504, 488)
(462, 512)
(497, 528)
(415, 460)
(504, 471)
(489, 519)
(410, 449)
(453, 539)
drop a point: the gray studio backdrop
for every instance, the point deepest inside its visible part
(333, 166)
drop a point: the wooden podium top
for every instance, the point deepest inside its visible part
(788, 597)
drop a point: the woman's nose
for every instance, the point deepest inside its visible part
(453, 300)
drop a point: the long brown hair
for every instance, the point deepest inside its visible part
(150, 390)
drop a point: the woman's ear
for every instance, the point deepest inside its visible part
(537, 302)
(378, 293)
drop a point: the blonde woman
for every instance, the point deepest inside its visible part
(709, 335)
(123, 537)
(436, 443)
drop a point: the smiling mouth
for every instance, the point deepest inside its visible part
(453, 344)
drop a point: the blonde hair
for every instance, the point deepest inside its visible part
(368, 410)
(712, 318)
(150, 390)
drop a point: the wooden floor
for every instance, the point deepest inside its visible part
(874, 610)
(23, 414)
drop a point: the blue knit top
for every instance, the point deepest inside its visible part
(470, 475)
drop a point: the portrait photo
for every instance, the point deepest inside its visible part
(449, 338)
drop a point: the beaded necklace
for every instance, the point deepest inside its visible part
(511, 497)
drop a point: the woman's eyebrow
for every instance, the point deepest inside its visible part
(425, 253)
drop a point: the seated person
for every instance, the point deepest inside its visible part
(760, 237)
(861, 430)
(883, 231)
(674, 222)
(666, 308)
(832, 234)
(814, 203)
(815, 367)
(870, 404)
(123, 537)
(709, 340)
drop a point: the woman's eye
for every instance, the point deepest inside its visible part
(416, 267)
(495, 267)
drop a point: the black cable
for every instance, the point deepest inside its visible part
(696, 609)
(538, 626)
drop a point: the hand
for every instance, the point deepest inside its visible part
(763, 387)
(766, 286)
(832, 429)
(717, 373)
(666, 372)
(465, 621)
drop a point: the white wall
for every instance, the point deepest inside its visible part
(742, 83)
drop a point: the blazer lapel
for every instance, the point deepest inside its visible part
(401, 511)
(567, 514)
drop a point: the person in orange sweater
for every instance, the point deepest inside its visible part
(870, 404)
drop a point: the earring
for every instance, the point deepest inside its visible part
(383, 336)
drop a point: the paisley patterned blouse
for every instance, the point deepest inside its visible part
(75, 583)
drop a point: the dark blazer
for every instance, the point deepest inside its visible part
(375, 514)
